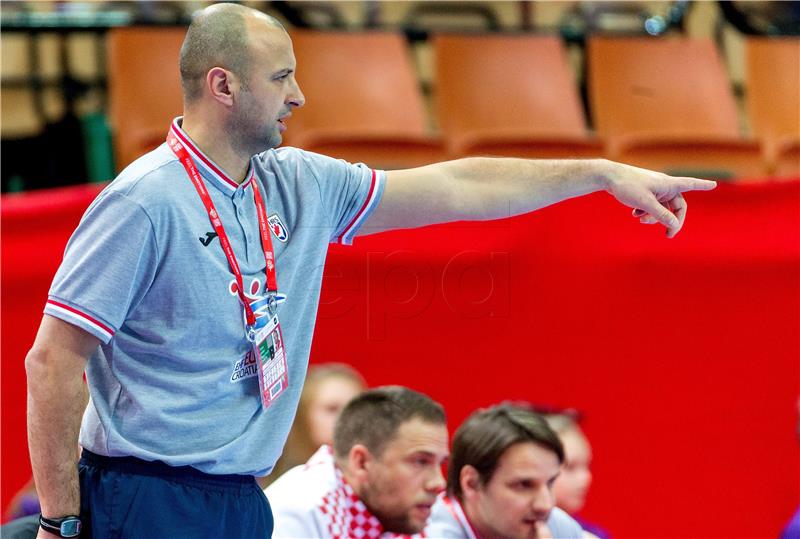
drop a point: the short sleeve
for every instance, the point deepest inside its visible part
(350, 193)
(108, 265)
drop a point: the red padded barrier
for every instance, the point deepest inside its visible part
(683, 353)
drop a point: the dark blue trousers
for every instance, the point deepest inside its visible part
(129, 498)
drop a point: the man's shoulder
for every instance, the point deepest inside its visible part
(442, 523)
(149, 177)
(297, 497)
(563, 526)
(285, 154)
(291, 162)
(302, 488)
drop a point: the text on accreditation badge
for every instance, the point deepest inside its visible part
(273, 376)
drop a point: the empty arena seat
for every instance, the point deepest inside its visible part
(667, 104)
(773, 100)
(363, 102)
(144, 87)
(509, 95)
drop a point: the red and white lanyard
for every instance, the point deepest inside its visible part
(263, 226)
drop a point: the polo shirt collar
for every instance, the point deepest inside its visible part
(207, 168)
(455, 508)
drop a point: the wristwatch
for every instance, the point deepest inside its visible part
(68, 526)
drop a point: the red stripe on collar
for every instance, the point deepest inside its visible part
(190, 145)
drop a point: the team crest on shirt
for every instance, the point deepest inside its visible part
(278, 228)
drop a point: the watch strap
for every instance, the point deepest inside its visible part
(56, 525)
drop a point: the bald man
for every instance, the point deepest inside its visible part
(189, 291)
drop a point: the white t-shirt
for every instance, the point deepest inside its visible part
(314, 501)
(448, 521)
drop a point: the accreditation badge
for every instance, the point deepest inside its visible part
(270, 353)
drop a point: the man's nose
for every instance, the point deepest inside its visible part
(437, 482)
(296, 97)
(542, 503)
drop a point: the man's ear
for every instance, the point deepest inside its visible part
(220, 83)
(470, 481)
(359, 460)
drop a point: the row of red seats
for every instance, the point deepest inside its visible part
(661, 103)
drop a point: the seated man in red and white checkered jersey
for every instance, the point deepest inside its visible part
(380, 478)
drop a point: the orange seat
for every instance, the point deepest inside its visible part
(509, 95)
(144, 87)
(666, 104)
(363, 102)
(773, 99)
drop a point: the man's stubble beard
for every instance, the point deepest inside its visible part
(253, 139)
(396, 523)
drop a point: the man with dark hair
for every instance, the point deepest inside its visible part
(195, 351)
(500, 478)
(382, 475)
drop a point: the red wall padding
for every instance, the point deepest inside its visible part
(684, 354)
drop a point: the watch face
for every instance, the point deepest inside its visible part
(71, 528)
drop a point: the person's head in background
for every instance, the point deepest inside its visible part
(504, 462)
(390, 444)
(327, 390)
(572, 485)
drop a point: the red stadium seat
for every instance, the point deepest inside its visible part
(144, 87)
(773, 100)
(509, 95)
(363, 102)
(667, 104)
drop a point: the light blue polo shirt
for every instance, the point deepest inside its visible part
(144, 272)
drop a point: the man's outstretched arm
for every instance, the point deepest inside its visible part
(482, 188)
(56, 400)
